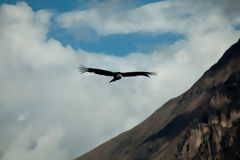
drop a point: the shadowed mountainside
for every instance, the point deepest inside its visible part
(202, 123)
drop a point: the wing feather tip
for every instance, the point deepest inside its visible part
(82, 69)
(153, 73)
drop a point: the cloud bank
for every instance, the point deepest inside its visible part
(49, 111)
(165, 16)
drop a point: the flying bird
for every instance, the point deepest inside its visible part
(116, 75)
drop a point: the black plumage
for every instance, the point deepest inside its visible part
(116, 75)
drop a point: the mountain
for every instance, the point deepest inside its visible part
(202, 123)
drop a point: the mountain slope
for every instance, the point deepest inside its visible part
(202, 123)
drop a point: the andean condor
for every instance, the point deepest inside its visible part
(116, 75)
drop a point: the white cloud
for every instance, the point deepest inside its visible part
(156, 17)
(165, 16)
(28, 146)
(41, 88)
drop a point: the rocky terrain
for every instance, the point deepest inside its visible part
(202, 123)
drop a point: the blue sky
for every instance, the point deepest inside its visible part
(64, 6)
(117, 44)
(48, 110)
(60, 6)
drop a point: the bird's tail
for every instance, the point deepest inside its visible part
(114, 79)
(82, 69)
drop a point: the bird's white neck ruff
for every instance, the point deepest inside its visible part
(119, 75)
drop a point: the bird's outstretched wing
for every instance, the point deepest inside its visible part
(84, 69)
(131, 74)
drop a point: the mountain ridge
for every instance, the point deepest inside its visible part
(196, 122)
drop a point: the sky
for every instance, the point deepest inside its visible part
(48, 110)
